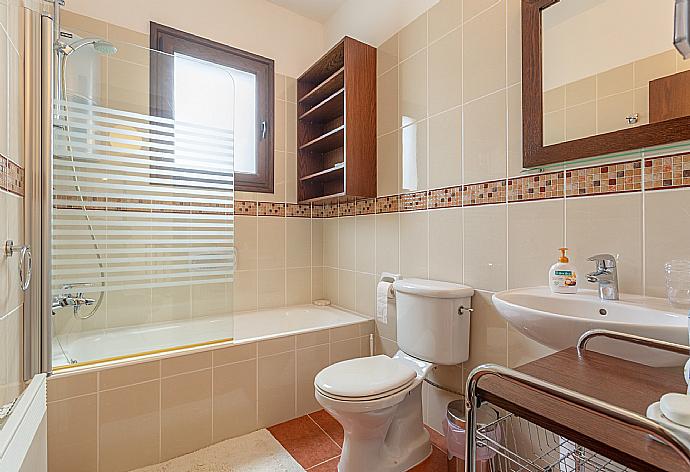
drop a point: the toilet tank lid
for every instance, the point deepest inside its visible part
(433, 288)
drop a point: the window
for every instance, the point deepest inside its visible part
(175, 86)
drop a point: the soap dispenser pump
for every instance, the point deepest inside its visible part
(563, 276)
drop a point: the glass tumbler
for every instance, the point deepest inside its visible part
(678, 283)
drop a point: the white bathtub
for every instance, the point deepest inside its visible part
(100, 345)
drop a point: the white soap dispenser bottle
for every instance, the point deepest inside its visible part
(563, 275)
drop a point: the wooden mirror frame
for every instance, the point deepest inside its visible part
(535, 154)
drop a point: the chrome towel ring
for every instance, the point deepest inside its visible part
(25, 262)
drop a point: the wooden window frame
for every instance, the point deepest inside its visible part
(170, 40)
(535, 154)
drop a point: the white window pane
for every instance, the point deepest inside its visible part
(218, 96)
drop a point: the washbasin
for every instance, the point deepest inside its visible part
(557, 321)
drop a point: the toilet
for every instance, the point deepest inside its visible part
(378, 399)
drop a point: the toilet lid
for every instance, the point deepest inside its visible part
(364, 377)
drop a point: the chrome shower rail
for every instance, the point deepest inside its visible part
(634, 420)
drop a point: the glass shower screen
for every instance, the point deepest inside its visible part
(143, 247)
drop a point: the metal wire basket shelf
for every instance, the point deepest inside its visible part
(518, 445)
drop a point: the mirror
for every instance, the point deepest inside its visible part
(601, 76)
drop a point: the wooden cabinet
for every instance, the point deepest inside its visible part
(336, 129)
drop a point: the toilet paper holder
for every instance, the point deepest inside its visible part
(390, 278)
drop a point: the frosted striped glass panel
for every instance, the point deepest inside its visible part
(140, 201)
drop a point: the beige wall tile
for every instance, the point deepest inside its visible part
(313, 338)
(232, 354)
(387, 102)
(554, 127)
(276, 389)
(515, 130)
(613, 110)
(298, 286)
(389, 329)
(488, 336)
(271, 347)
(485, 147)
(234, 400)
(291, 127)
(413, 88)
(413, 37)
(279, 83)
(366, 244)
(531, 253)
(347, 289)
(131, 45)
(279, 125)
(667, 216)
(246, 242)
(445, 149)
(414, 239)
(344, 350)
(485, 247)
(310, 362)
(330, 284)
(655, 67)
(188, 363)
(186, 413)
(61, 387)
(344, 332)
(298, 234)
(271, 249)
(71, 20)
(128, 86)
(134, 309)
(271, 288)
(388, 164)
(245, 291)
(472, 8)
(621, 215)
(317, 242)
(445, 244)
(387, 242)
(641, 104)
(514, 41)
(384, 346)
(72, 435)
(387, 55)
(414, 157)
(330, 242)
(291, 89)
(554, 99)
(522, 349)
(5, 49)
(445, 16)
(171, 303)
(437, 406)
(445, 71)
(347, 243)
(366, 294)
(484, 49)
(211, 299)
(129, 427)
(128, 375)
(581, 121)
(581, 91)
(290, 177)
(615, 81)
(317, 283)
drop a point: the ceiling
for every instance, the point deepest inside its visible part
(318, 10)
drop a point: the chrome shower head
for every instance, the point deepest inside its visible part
(101, 46)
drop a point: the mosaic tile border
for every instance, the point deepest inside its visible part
(604, 179)
(11, 176)
(536, 187)
(667, 172)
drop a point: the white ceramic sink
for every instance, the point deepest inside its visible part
(557, 321)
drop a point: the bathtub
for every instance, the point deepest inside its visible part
(117, 343)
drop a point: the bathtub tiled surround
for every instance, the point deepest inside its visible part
(11, 198)
(123, 417)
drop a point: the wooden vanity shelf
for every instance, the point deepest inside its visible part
(336, 128)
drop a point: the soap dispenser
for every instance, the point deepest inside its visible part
(563, 276)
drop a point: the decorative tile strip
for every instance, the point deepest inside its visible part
(445, 197)
(536, 187)
(484, 193)
(3, 172)
(244, 207)
(366, 206)
(297, 210)
(413, 201)
(318, 211)
(667, 172)
(271, 209)
(11, 176)
(331, 210)
(599, 180)
(348, 208)
(388, 204)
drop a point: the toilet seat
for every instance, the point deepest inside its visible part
(365, 378)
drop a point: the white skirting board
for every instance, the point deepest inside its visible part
(23, 438)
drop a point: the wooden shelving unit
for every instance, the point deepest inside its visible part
(336, 130)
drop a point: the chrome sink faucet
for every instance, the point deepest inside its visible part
(606, 276)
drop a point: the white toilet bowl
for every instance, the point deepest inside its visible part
(378, 401)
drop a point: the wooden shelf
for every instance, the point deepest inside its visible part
(326, 142)
(325, 175)
(324, 89)
(325, 198)
(329, 109)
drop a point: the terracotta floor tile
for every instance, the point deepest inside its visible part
(437, 462)
(305, 441)
(329, 466)
(330, 425)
